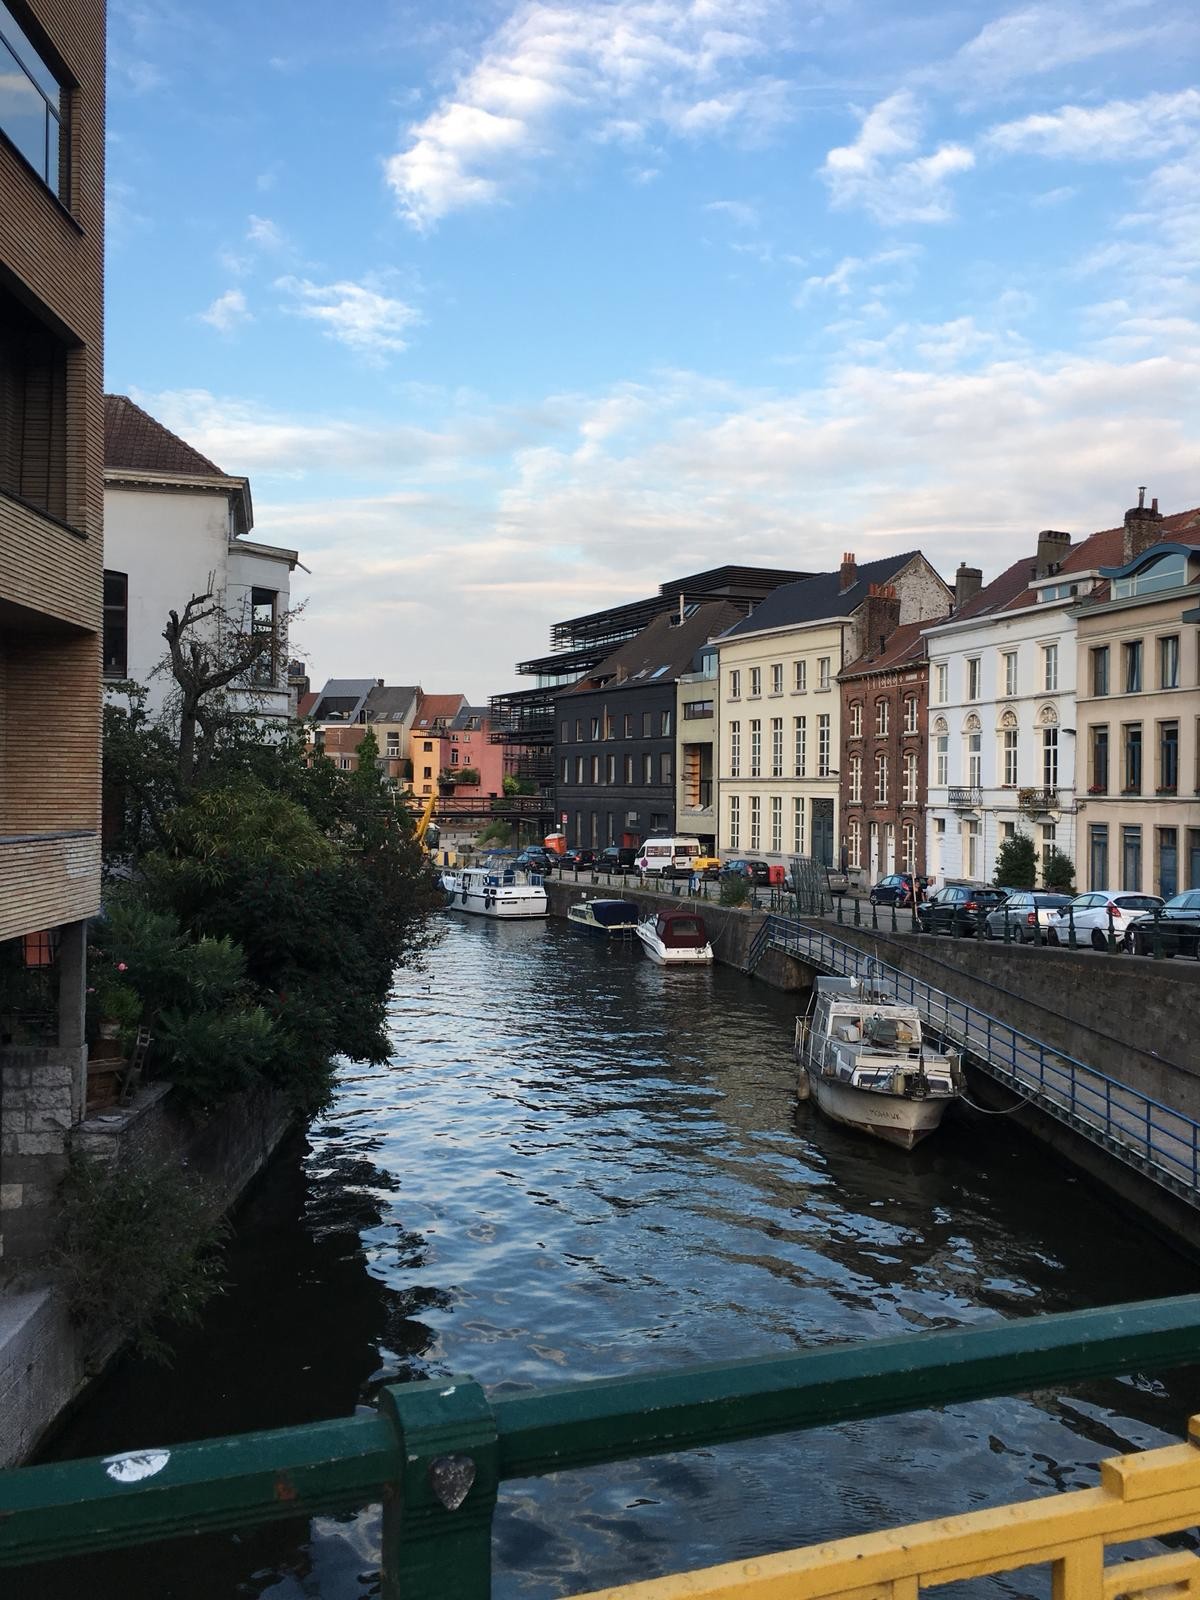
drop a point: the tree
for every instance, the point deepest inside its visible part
(1058, 870)
(1016, 863)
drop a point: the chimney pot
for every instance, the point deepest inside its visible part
(1053, 548)
(849, 574)
(1141, 527)
(968, 581)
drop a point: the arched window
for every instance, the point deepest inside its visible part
(856, 712)
(882, 717)
(941, 752)
(974, 751)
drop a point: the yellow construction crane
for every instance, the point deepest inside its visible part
(427, 831)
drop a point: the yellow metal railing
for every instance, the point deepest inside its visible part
(1140, 1497)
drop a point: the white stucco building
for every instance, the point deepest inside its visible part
(1002, 733)
(177, 526)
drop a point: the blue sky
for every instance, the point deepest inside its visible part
(511, 311)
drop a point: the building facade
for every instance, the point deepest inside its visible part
(696, 752)
(51, 565)
(1138, 715)
(779, 704)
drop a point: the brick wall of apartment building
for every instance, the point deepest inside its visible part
(894, 686)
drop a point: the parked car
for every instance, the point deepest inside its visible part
(897, 889)
(956, 908)
(1026, 915)
(1090, 915)
(616, 858)
(756, 872)
(1178, 928)
(535, 858)
(576, 857)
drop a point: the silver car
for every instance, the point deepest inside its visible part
(1028, 915)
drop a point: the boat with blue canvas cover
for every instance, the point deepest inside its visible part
(606, 919)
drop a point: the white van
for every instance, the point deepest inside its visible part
(663, 858)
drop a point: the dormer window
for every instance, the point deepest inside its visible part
(1167, 571)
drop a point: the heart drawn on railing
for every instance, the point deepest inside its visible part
(451, 1478)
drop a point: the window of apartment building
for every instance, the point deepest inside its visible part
(1168, 758)
(1050, 758)
(647, 769)
(735, 684)
(116, 623)
(1132, 654)
(798, 826)
(1009, 658)
(756, 748)
(856, 712)
(34, 105)
(1008, 757)
(1131, 857)
(33, 402)
(735, 822)
(664, 725)
(908, 847)
(578, 730)
(694, 709)
(1049, 838)
(610, 726)
(735, 749)
(393, 745)
(1131, 775)
(776, 825)
(882, 717)
(454, 758)
(344, 764)
(646, 724)
(1099, 660)
(1166, 848)
(823, 746)
(910, 777)
(578, 769)
(596, 769)
(941, 683)
(427, 772)
(941, 759)
(856, 779)
(566, 769)
(777, 747)
(970, 848)
(595, 727)
(566, 733)
(595, 839)
(628, 770)
(666, 767)
(881, 778)
(610, 769)
(578, 828)
(854, 843)
(1050, 668)
(1167, 572)
(1098, 855)
(822, 672)
(974, 758)
(777, 678)
(800, 739)
(1098, 761)
(800, 677)
(628, 724)
(911, 714)
(264, 617)
(610, 830)
(1168, 662)
(973, 678)
(755, 822)
(755, 682)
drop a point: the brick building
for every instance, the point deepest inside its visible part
(51, 561)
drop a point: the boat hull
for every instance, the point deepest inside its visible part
(665, 957)
(499, 904)
(894, 1118)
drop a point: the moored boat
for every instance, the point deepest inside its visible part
(608, 919)
(675, 938)
(488, 892)
(863, 1058)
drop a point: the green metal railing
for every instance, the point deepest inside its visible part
(435, 1453)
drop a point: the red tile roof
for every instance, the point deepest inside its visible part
(306, 703)
(135, 440)
(902, 646)
(434, 706)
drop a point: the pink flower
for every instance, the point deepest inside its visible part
(121, 967)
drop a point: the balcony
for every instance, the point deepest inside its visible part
(1035, 802)
(47, 879)
(968, 798)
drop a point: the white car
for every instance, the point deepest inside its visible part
(1090, 914)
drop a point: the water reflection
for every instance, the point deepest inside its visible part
(579, 1164)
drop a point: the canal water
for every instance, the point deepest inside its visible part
(578, 1165)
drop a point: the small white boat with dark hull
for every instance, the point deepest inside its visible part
(492, 892)
(606, 919)
(675, 939)
(863, 1058)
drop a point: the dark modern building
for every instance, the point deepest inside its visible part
(615, 735)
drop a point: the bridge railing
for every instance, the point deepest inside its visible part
(1137, 1128)
(435, 1453)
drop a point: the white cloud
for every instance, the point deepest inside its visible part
(739, 212)
(227, 312)
(881, 172)
(1037, 39)
(615, 70)
(1121, 130)
(355, 314)
(266, 235)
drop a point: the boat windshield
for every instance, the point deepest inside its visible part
(684, 932)
(891, 1033)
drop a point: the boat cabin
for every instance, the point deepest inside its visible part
(681, 930)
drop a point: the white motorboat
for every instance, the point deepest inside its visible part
(607, 919)
(675, 938)
(492, 892)
(864, 1059)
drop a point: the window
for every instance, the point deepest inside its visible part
(1008, 830)
(265, 670)
(755, 682)
(974, 759)
(32, 106)
(800, 677)
(1166, 844)
(1010, 672)
(856, 720)
(1168, 662)
(801, 743)
(911, 715)
(610, 769)
(628, 771)
(755, 822)
(645, 724)
(777, 678)
(735, 749)
(1131, 780)
(1009, 740)
(694, 709)
(1131, 857)
(970, 844)
(854, 843)
(610, 726)
(908, 847)
(882, 714)
(666, 769)
(393, 744)
(1099, 759)
(856, 779)
(941, 760)
(1100, 669)
(454, 758)
(1050, 668)
(664, 728)
(578, 730)
(735, 685)
(596, 769)
(1132, 653)
(756, 748)
(1166, 572)
(647, 769)
(798, 827)
(823, 747)
(777, 747)
(881, 778)
(735, 822)
(822, 672)
(595, 727)
(344, 764)
(427, 773)
(941, 683)
(566, 733)
(566, 769)
(629, 725)
(116, 620)
(973, 678)
(910, 777)
(1098, 855)
(1168, 758)
(776, 825)
(578, 769)
(1050, 758)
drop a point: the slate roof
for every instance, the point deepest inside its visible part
(135, 440)
(662, 652)
(342, 699)
(902, 646)
(812, 599)
(479, 713)
(390, 703)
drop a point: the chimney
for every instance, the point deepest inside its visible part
(968, 581)
(1141, 527)
(1052, 550)
(879, 617)
(849, 572)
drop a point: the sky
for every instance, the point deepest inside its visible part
(514, 311)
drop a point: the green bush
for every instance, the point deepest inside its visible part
(1058, 870)
(1016, 863)
(735, 891)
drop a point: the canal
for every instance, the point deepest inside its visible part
(577, 1165)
